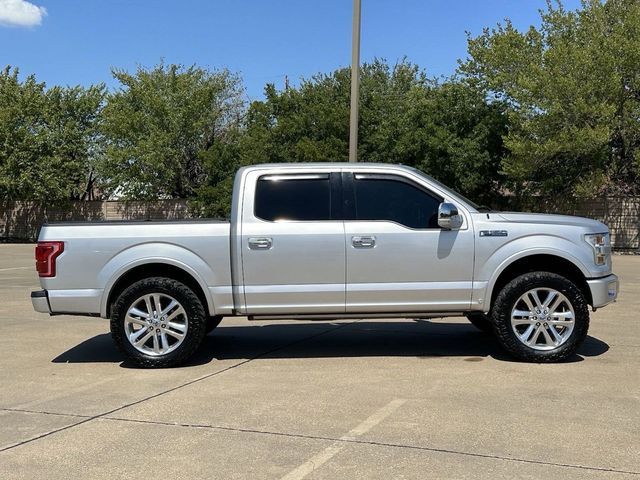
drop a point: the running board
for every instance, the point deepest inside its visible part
(347, 316)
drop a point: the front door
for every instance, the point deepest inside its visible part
(398, 259)
(293, 247)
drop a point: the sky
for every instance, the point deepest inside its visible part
(71, 42)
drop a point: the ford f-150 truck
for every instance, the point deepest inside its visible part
(332, 241)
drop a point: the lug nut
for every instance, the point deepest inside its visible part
(537, 324)
(163, 325)
(158, 330)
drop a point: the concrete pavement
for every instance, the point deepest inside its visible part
(348, 399)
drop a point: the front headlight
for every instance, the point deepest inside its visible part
(601, 244)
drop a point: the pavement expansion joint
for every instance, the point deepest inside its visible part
(40, 412)
(355, 441)
(86, 419)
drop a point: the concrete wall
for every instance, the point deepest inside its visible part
(22, 220)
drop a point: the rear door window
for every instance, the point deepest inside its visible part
(293, 198)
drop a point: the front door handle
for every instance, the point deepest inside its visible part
(363, 242)
(260, 243)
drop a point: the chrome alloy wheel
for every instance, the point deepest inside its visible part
(543, 319)
(156, 324)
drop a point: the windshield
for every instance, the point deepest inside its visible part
(453, 193)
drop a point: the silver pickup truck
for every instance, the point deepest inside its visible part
(330, 241)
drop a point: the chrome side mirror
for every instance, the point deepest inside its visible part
(448, 216)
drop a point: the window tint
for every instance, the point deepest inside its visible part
(396, 201)
(293, 198)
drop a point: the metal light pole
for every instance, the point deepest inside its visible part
(355, 83)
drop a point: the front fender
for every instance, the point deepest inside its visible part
(156, 252)
(499, 259)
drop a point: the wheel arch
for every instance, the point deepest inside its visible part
(154, 268)
(539, 262)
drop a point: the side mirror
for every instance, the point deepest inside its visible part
(448, 216)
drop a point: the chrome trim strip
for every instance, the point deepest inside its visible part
(346, 316)
(294, 176)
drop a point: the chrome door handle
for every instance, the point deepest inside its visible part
(260, 243)
(363, 242)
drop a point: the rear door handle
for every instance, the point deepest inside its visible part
(363, 242)
(260, 243)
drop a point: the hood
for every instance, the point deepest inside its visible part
(548, 219)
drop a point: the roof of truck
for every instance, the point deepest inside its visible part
(355, 166)
(328, 164)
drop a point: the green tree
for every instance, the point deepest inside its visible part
(49, 139)
(450, 131)
(74, 119)
(446, 129)
(309, 123)
(159, 124)
(219, 163)
(573, 90)
(305, 124)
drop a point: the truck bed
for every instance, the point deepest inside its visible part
(95, 253)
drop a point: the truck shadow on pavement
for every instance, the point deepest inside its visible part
(419, 338)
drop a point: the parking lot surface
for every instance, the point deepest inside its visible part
(319, 400)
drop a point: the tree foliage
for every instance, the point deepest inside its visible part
(160, 122)
(573, 90)
(49, 139)
(446, 129)
(553, 111)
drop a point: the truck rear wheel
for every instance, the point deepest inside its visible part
(541, 317)
(158, 322)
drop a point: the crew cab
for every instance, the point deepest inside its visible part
(331, 241)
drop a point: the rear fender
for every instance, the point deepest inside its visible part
(156, 252)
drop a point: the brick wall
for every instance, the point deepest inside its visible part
(22, 220)
(620, 214)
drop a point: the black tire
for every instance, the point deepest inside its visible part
(197, 321)
(506, 301)
(480, 321)
(213, 322)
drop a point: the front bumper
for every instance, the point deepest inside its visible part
(40, 301)
(604, 290)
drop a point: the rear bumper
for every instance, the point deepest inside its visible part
(40, 301)
(604, 290)
(85, 301)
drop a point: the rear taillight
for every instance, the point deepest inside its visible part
(46, 254)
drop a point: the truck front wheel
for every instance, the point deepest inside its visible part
(158, 322)
(541, 317)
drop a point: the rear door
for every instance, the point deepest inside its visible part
(293, 244)
(398, 259)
